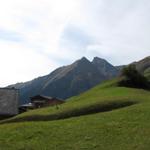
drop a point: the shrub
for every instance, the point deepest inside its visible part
(133, 78)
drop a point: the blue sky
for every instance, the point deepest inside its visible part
(38, 36)
(7, 35)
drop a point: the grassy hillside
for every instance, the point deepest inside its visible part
(106, 117)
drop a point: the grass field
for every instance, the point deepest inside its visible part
(106, 117)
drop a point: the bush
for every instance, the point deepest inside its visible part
(133, 78)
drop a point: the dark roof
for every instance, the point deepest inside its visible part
(44, 97)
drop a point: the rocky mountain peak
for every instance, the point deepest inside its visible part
(98, 60)
(105, 67)
(83, 62)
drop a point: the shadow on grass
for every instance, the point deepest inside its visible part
(3, 117)
(92, 109)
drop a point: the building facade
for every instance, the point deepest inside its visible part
(9, 101)
(39, 101)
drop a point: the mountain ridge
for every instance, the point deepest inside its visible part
(64, 82)
(70, 80)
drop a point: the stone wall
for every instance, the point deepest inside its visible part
(9, 101)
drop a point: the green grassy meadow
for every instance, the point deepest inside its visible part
(106, 117)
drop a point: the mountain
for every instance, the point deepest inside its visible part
(74, 79)
(142, 66)
(68, 80)
(105, 67)
(119, 68)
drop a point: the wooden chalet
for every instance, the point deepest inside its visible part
(39, 101)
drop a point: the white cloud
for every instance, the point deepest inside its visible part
(33, 33)
(40, 24)
(21, 64)
(121, 28)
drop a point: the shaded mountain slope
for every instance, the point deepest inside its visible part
(142, 66)
(74, 79)
(105, 67)
(64, 82)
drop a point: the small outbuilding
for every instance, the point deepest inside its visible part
(25, 107)
(39, 101)
(9, 101)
